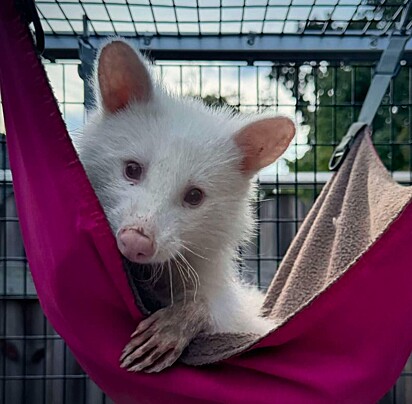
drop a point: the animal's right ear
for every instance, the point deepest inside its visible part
(122, 77)
(263, 142)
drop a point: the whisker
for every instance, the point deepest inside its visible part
(191, 251)
(181, 273)
(158, 273)
(192, 271)
(180, 270)
(195, 246)
(183, 267)
(171, 283)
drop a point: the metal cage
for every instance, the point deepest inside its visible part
(314, 59)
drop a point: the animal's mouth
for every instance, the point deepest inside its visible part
(141, 259)
(158, 258)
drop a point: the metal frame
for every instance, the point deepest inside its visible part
(240, 47)
(222, 17)
(387, 68)
(56, 372)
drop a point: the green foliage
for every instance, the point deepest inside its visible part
(213, 100)
(330, 98)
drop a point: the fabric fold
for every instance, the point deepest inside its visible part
(341, 299)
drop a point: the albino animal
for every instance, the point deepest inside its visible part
(174, 178)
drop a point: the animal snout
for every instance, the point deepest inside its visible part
(135, 245)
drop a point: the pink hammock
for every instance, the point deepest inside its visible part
(346, 343)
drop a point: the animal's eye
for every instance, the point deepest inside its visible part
(133, 171)
(194, 197)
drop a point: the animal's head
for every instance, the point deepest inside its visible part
(172, 174)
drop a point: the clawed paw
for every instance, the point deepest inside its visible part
(156, 344)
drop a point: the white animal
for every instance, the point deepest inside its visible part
(175, 180)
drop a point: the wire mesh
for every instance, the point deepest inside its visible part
(37, 367)
(222, 17)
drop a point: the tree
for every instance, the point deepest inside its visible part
(329, 99)
(215, 101)
(338, 93)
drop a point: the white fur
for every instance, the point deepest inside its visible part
(180, 142)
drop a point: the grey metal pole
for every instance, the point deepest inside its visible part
(87, 54)
(387, 68)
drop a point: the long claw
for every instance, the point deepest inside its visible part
(152, 358)
(144, 325)
(139, 352)
(134, 343)
(166, 361)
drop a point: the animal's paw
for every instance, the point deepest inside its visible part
(157, 342)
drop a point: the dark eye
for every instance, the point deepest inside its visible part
(194, 197)
(133, 171)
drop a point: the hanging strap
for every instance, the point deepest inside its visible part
(388, 67)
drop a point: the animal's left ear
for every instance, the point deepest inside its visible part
(263, 142)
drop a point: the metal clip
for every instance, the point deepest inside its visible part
(251, 37)
(387, 68)
(28, 11)
(147, 39)
(342, 150)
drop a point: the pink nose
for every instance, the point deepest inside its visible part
(135, 245)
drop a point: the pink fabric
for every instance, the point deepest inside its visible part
(349, 346)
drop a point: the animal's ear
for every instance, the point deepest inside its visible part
(263, 142)
(122, 77)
